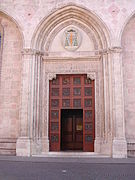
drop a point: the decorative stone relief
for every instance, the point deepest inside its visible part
(91, 75)
(71, 39)
(51, 76)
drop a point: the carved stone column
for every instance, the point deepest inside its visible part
(107, 103)
(119, 141)
(36, 119)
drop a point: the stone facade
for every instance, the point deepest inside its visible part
(32, 52)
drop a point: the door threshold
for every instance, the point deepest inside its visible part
(72, 154)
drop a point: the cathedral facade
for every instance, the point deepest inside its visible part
(67, 81)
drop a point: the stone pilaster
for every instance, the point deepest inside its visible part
(45, 127)
(23, 145)
(119, 149)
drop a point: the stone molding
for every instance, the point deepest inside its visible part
(88, 58)
(90, 75)
(66, 14)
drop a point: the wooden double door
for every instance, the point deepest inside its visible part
(71, 113)
(72, 129)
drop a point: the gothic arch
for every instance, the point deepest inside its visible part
(11, 68)
(128, 66)
(127, 21)
(4, 14)
(69, 14)
(18, 24)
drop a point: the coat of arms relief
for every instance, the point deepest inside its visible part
(71, 39)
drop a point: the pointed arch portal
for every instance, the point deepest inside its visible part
(77, 62)
(50, 58)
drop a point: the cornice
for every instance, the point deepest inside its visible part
(55, 59)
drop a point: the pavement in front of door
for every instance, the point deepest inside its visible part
(53, 168)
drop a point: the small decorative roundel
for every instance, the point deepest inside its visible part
(71, 39)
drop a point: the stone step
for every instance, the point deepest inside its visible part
(73, 155)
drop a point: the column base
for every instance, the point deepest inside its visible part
(23, 146)
(119, 148)
(45, 145)
(97, 145)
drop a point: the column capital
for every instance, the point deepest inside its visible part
(29, 51)
(114, 49)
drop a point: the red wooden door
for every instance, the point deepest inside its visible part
(72, 130)
(71, 92)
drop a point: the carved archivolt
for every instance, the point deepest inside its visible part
(71, 14)
(92, 34)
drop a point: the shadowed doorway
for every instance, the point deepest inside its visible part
(72, 129)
